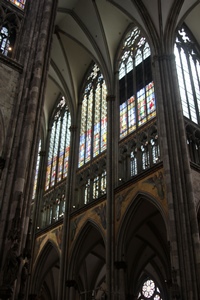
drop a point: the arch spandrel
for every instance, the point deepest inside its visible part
(53, 237)
(95, 215)
(152, 186)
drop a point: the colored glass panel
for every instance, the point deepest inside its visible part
(93, 131)
(19, 3)
(59, 145)
(136, 88)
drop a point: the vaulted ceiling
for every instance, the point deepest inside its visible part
(89, 30)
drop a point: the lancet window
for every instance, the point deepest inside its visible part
(36, 171)
(136, 86)
(138, 147)
(188, 69)
(91, 174)
(93, 131)
(59, 145)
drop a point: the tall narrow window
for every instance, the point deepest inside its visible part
(93, 131)
(136, 86)
(188, 70)
(59, 144)
(36, 171)
(4, 41)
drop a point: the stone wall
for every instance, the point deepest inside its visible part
(8, 95)
(196, 185)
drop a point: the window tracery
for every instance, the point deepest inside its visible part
(149, 290)
(139, 152)
(4, 41)
(10, 24)
(188, 71)
(91, 183)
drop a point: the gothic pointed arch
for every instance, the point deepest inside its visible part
(142, 245)
(87, 260)
(46, 272)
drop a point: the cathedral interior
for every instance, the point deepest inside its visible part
(99, 149)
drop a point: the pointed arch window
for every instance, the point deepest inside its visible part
(59, 145)
(188, 70)
(136, 86)
(93, 130)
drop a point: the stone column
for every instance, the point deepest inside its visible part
(183, 229)
(120, 268)
(110, 200)
(70, 189)
(16, 188)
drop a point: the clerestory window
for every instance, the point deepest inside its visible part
(136, 86)
(59, 145)
(93, 129)
(188, 69)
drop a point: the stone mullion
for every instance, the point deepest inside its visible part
(177, 172)
(38, 203)
(70, 194)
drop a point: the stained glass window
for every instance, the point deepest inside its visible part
(188, 70)
(19, 3)
(93, 131)
(4, 41)
(36, 171)
(149, 290)
(136, 86)
(59, 145)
